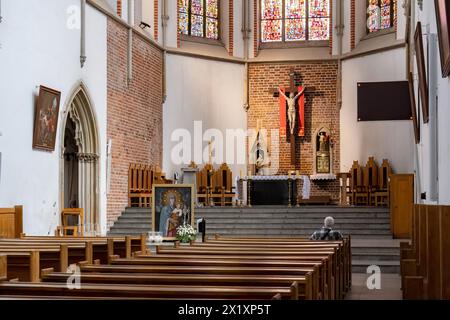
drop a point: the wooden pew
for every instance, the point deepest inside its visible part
(123, 246)
(347, 265)
(304, 282)
(334, 270)
(28, 256)
(344, 254)
(147, 292)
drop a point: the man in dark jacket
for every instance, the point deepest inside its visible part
(327, 233)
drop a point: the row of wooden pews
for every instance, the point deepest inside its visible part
(221, 268)
(425, 262)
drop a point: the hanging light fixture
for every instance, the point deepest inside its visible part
(1, 11)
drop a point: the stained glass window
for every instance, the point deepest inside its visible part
(199, 18)
(295, 20)
(380, 15)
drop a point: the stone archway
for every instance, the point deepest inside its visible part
(80, 118)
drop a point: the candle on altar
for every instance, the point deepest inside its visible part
(240, 174)
(249, 173)
(297, 173)
(289, 174)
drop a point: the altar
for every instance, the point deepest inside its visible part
(274, 190)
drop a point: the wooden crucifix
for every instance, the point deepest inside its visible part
(291, 109)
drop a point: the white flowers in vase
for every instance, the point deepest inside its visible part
(186, 233)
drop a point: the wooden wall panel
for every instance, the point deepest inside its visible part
(433, 280)
(445, 250)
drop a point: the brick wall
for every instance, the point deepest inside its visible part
(134, 112)
(320, 109)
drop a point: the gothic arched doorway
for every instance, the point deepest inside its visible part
(80, 159)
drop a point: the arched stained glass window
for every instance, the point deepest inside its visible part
(199, 18)
(380, 15)
(295, 20)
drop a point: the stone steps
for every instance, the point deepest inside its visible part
(360, 266)
(372, 242)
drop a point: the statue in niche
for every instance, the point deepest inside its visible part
(259, 153)
(323, 152)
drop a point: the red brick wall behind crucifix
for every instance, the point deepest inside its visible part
(320, 109)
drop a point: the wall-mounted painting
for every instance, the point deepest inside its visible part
(46, 119)
(443, 24)
(420, 58)
(412, 98)
(172, 207)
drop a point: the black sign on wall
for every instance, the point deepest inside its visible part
(384, 101)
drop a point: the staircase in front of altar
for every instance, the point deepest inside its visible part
(372, 242)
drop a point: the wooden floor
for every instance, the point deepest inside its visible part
(390, 288)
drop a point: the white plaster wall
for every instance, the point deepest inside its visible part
(401, 21)
(43, 51)
(201, 90)
(392, 140)
(172, 27)
(238, 49)
(224, 23)
(347, 27)
(428, 18)
(148, 11)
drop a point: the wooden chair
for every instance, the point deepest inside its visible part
(345, 192)
(68, 229)
(371, 179)
(360, 195)
(382, 192)
(223, 188)
(205, 182)
(140, 182)
(159, 177)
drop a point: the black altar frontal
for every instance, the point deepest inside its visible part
(272, 190)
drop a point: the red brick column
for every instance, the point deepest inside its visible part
(156, 19)
(178, 23)
(331, 28)
(395, 14)
(255, 27)
(231, 27)
(119, 8)
(353, 24)
(134, 115)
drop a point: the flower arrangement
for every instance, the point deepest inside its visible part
(186, 233)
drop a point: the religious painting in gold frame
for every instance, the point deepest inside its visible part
(172, 206)
(46, 119)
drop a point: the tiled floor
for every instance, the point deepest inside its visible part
(390, 288)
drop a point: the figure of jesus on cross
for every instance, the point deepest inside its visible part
(292, 111)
